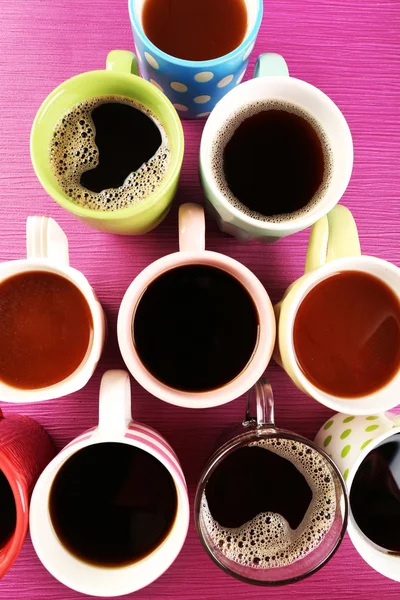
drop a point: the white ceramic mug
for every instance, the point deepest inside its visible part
(47, 250)
(191, 251)
(333, 248)
(272, 82)
(348, 440)
(115, 425)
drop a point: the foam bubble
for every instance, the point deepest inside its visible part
(267, 540)
(73, 151)
(225, 134)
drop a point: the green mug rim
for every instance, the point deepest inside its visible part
(171, 116)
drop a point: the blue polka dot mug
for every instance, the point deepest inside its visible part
(194, 87)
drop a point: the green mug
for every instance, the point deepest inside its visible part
(121, 78)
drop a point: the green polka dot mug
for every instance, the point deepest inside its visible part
(348, 440)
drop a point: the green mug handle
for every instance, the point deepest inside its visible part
(270, 64)
(122, 61)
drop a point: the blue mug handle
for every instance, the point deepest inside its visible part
(270, 64)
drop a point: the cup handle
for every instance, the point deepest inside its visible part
(270, 64)
(191, 228)
(122, 61)
(333, 236)
(46, 239)
(260, 405)
(114, 403)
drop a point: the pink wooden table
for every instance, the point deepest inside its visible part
(348, 48)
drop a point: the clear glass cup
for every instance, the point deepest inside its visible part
(258, 425)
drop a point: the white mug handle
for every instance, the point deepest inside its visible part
(191, 228)
(45, 239)
(114, 403)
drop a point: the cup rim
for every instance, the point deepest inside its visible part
(290, 305)
(131, 211)
(241, 439)
(181, 62)
(78, 378)
(261, 354)
(39, 508)
(322, 207)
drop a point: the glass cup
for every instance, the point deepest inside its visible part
(259, 425)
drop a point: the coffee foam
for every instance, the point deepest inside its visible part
(267, 540)
(70, 157)
(226, 132)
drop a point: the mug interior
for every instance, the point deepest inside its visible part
(379, 401)
(305, 97)
(95, 84)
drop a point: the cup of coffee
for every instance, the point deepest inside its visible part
(52, 325)
(196, 51)
(276, 155)
(25, 450)
(108, 147)
(338, 326)
(196, 328)
(110, 513)
(367, 452)
(270, 507)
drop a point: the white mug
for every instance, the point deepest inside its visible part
(47, 250)
(115, 425)
(348, 440)
(191, 251)
(272, 82)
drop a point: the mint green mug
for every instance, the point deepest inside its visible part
(121, 77)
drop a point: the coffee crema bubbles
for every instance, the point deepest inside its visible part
(267, 540)
(278, 155)
(76, 150)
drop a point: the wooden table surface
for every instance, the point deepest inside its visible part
(348, 48)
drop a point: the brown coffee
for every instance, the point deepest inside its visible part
(46, 328)
(195, 29)
(346, 334)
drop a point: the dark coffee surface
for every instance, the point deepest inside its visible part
(375, 495)
(45, 329)
(195, 328)
(195, 29)
(274, 162)
(112, 504)
(347, 334)
(8, 513)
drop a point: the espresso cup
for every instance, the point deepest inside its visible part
(47, 252)
(254, 321)
(120, 78)
(194, 87)
(334, 249)
(272, 84)
(25, 450)
(271, 507)
(350, 440)
(49, 523)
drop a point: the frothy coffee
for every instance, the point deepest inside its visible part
(272, 161)
(267, 540)
(74, 152)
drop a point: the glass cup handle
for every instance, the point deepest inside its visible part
(114, 403)
(191, 228)
(260, 405)
(46, 239)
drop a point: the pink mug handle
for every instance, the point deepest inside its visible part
(191, 228)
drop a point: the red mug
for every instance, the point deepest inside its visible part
(25, 450)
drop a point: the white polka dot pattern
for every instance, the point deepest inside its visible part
(151, 60)
(178, 87)
(239, 79)
(201, 115)
(181, 107)
(204, 76)
(202, 99)
(248, 52)
(154, 82)
(225, 81)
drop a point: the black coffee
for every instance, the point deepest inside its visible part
(272, 161)
(112, 504)
(270, 503)
(195, 328)
(375, 495)
(8, 512)
(109, 153)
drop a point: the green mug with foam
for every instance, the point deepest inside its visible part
(120, 78)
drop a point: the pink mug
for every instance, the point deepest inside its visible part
(192, 252)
